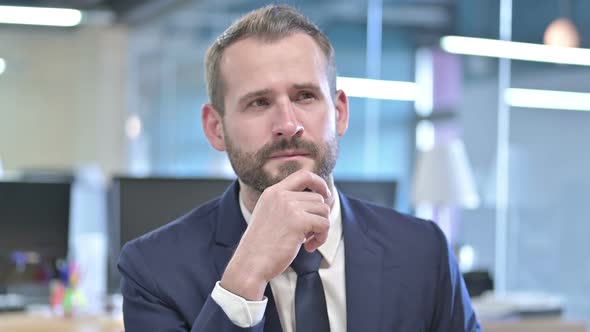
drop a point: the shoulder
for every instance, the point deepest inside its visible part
(173, 264)
(384, 219)
(398, 231)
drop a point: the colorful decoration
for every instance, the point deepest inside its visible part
(65, 296)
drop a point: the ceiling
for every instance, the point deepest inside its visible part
(123, 9)
(465, 17)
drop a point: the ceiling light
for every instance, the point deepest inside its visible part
(515, 50)
(40, 16)
(2, 66)
(133, 127)
(547, 99)
(562, 32)
(377, 89)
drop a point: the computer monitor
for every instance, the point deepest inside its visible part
(140, 205)
(381, 192)
(34, 228)
(34, 217)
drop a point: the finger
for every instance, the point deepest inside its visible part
(305, 196)
(317, 225)
(315, 241)
(303, 179)
(312, 244)
(317, 208)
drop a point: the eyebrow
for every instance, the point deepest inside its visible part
(310, 86)
(253, 94)
(263, 92)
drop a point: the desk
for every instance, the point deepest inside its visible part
(534, 325)
(20, 322)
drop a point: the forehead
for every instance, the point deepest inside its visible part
(251, 64)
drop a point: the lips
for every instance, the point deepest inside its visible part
(289, 153)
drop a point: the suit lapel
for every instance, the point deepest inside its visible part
(364, 273)
(230, 225)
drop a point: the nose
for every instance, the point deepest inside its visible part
(286, 124)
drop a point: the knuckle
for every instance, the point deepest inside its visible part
(298, 214)
(318, 197)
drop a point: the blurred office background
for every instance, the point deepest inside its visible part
(119, 95)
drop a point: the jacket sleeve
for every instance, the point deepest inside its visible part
(453, 310)
(145, 309)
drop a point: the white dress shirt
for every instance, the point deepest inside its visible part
(249, 313)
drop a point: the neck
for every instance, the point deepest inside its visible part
(250, 196)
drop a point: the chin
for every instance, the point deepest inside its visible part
(289, 167)
(280, 172)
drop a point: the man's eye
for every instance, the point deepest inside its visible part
(259, 102)
(305, 96)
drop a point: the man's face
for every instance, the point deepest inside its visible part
(279, 113)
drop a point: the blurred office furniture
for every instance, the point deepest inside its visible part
(12, 302)
(523, 312)
(21, 322)
(534, 325)
(34, 228)
(478, 282)
(492, 306)
(444, 177)
(443, 180)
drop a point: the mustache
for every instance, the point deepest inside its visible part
(287, 144)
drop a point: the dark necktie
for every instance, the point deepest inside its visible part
(311, 314)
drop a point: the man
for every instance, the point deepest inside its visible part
(281, 249)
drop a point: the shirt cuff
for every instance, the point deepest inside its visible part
(241, 312)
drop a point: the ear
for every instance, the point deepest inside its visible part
(213, 127)
(341, 112)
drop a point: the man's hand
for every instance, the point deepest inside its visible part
(284, 217)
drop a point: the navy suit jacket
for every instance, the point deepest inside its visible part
(400, 274)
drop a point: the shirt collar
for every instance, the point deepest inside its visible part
(330, 247)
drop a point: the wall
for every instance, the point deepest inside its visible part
(62, 97)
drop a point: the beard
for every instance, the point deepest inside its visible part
(249, 166)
